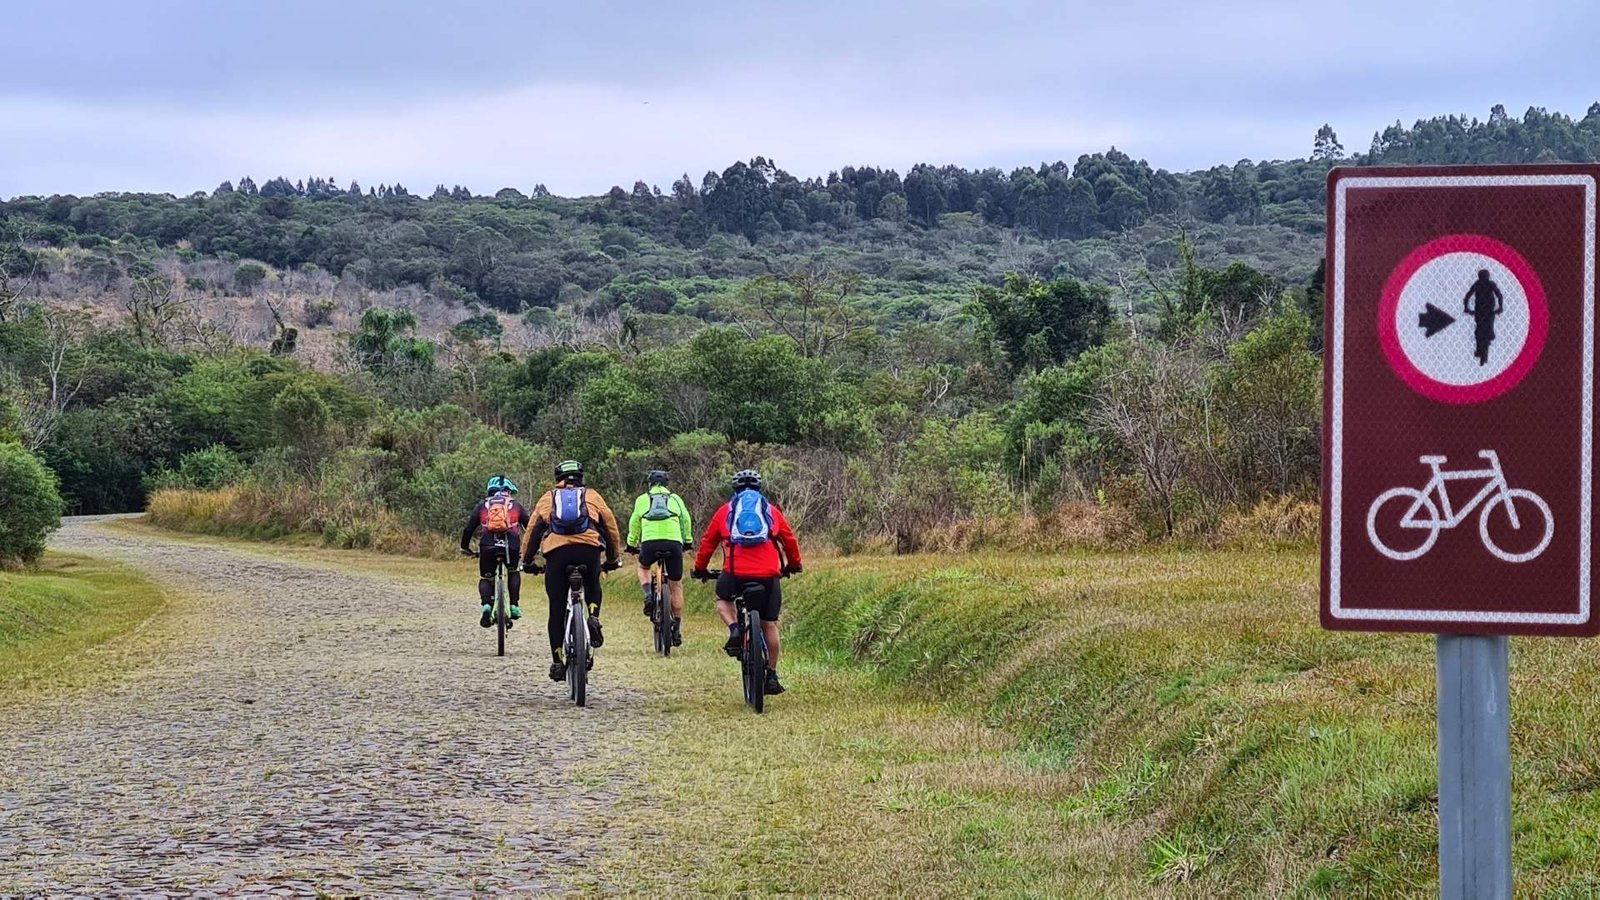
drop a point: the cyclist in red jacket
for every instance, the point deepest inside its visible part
(757, 546)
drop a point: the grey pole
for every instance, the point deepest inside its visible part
(1474, 767)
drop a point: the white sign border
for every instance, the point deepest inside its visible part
(1336, 424)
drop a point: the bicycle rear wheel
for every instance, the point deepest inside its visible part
(655, 614)
(755, 691)
(577, 657)
(500, 612)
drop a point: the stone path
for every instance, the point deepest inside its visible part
(304, 730)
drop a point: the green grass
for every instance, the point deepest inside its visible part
(56, 619)
(1092, 725)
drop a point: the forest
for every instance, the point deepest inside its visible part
(929, 359)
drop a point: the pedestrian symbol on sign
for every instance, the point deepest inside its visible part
(1483, 302)
(1504, 300)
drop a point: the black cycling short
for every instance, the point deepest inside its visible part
(668, 552)
(770, 606)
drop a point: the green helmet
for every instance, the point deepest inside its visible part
(568, 468)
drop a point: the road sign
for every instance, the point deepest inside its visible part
(1459, 406)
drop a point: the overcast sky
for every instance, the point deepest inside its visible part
(177, 95)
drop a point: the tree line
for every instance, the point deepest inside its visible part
(909, 357)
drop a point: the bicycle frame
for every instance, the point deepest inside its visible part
(1439, 483)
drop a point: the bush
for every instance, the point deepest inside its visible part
(32, 507)
(205, 470)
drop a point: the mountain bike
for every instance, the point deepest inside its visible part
(660, 608)
(578, 655)
(501, 612)
(753, 651)
(658, 599)
(1426, 512)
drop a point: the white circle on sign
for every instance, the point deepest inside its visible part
(1451, 355)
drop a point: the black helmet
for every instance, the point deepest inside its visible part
(746, 479)
(568, 468)
(656, 477)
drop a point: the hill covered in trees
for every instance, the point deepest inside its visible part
(907, 351)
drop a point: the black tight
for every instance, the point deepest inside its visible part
(489, 555)
(556, 583)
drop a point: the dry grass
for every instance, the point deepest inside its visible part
(1283, 522)
(290, 514)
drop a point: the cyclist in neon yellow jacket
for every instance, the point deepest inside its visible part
(660, 530)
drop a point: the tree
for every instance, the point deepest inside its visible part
(1326, 146)
(154, 305)
(894, 208)
(1269, 395)
(811, 307)
(302, 418)
(54, 374)
(739, 200)
(32, 508)
(19, 269)
(1153, 406)
(248, 276)
(1040, 323)
(386, 342)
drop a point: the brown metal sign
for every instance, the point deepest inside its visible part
(1458, 431)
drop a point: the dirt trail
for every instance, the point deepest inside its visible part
(304, 729)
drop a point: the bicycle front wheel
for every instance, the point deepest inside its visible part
(1516, 526)
(578, 658)
(755, 690)
(500, 612)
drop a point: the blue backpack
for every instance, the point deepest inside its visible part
(749, 519)
(569, 511)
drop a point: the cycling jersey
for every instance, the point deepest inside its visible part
(758, 562)
(679, 528)
(602, 531)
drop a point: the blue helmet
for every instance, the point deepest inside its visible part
(500, 483)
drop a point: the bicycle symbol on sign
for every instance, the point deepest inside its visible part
(1421, 514)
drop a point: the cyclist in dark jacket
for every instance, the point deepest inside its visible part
(497, 545)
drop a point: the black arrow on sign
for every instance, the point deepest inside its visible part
(1434, 320)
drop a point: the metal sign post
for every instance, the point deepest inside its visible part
(1474, 767)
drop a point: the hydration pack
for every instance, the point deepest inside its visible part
(500, 514)
(660, 507)
(569, 511)
(749, 519)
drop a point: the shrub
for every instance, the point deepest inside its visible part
(214, 467)
(32, 507)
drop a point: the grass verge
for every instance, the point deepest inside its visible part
(1189, 706)
(53, 619)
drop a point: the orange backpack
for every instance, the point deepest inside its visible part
(499, 513)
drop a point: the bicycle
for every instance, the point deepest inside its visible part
(1424, 514)
(578, 655)
(500, 612)
(753, 651)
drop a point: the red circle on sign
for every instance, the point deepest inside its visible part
(1463, 394)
